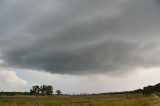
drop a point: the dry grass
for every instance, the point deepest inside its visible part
(112, 100)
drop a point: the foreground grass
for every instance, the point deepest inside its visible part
(112, 100)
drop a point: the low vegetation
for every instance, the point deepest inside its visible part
(94, 100)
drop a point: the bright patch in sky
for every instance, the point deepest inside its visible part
(10, 81)
(95, 83)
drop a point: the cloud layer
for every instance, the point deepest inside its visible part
(80, 37)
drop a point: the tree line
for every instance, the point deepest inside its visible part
(47, 90)
(148, 90)
(2, 93)
(43, 90)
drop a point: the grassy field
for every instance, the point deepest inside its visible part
(112, 100)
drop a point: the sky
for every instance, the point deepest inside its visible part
(79, 46)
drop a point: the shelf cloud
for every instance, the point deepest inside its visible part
(80, 36)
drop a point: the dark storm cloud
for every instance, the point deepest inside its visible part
(77, 37)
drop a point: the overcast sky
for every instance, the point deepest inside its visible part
(79, 45)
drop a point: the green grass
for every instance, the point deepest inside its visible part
(112, 100)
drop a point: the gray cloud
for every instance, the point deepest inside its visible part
(78, 37)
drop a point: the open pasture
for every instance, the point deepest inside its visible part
(96, 100)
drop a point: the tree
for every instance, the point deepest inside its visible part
(43, 89)
(49, 90)
(157, 87)
(148, 90)
(35, 90)
(58, 92)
